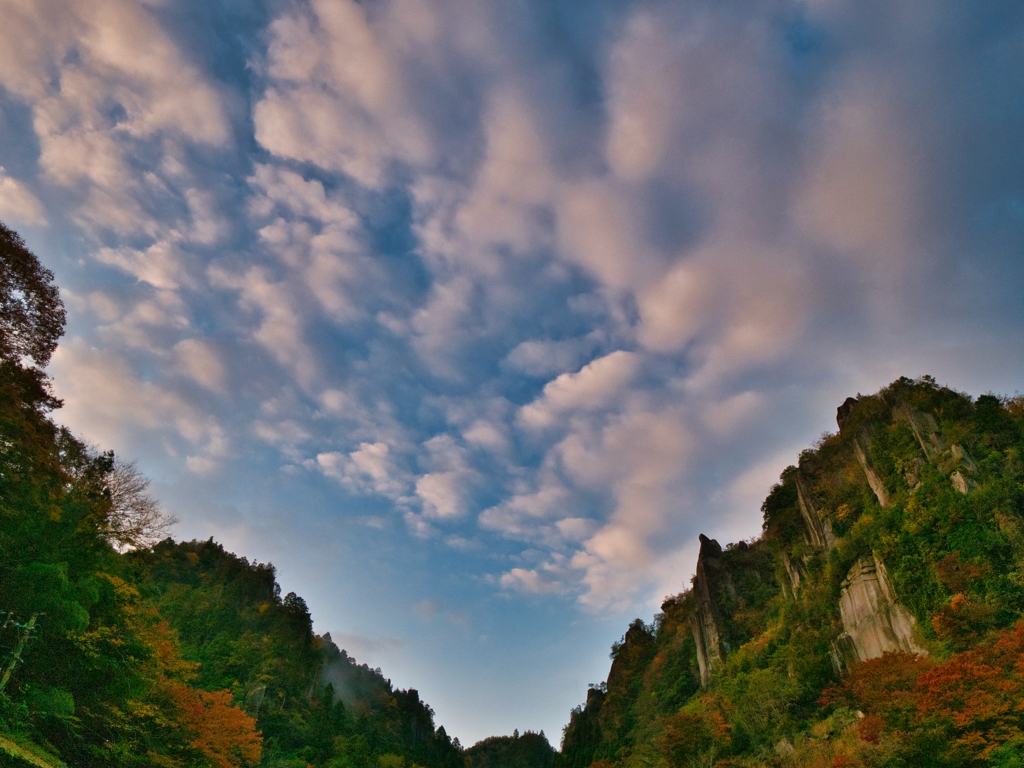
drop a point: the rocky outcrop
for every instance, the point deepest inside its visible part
(861, 442)
(793, 572)
(952, 460)
(817, 525)
(874, 621)
(861, 449)
(702, 617)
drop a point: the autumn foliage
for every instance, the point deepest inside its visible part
(957, 712)
(222, 733)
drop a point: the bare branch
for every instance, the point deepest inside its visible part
(135, 518)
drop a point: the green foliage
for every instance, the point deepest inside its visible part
(163, 656)
(527, 750)
(232, 620)
(31, 312)
(951, 537)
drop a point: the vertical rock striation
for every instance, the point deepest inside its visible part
(702, 618)
(874, 621)
(817, 524)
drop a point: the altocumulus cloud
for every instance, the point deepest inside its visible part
(542, 278)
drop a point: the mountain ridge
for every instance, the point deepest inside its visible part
(898, 537)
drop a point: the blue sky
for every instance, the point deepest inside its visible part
(470, 316)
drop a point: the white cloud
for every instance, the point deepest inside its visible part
(597, 232)
(446, 490)
(522, 516)
(198, 359)
(640, 124)
(297, 195)
(857, 194)
(17, 204)
(106, 402)
(73, 61)
(281, 331)
(676, 308)
(443, 493)
(487, 435)
(513, 183)
(550, 577)
(160, 265)
(371, 468)
(337, 98)
(590, 389)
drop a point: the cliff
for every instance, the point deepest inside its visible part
(900, 536)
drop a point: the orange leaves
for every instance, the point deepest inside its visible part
(223, 733)
(972, 703)
(883, 684)
(871, 728)
(980, 692)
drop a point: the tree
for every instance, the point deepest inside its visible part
(224, 734)
(31, 313)
(135, 519)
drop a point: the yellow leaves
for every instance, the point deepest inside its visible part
(163, 641)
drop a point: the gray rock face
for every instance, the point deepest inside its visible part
(792, 571)
(861, 449)
(952, 460)
(817, 525)
(874, 621)
(702, 619)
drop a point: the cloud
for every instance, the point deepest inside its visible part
(523, 515)
(545, 358)
(75, 62)
(336, 97)
(446, 491)
(281, 330)
(198, 359)
(509, 285)
(160, 265)
(549, 578)
(640, 458)
(105, 401)
(371, 468)
(17, 204)
(591, 388)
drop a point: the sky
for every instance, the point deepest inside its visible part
(471, 316)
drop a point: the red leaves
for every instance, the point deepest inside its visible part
(972, 702)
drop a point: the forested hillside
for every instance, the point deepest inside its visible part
(529, 750)
(877, 620)
(118, 649)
